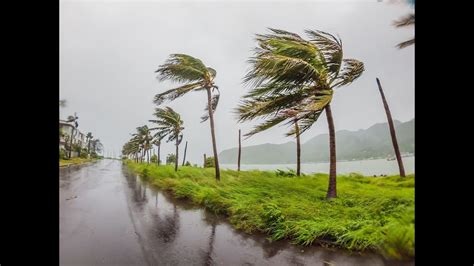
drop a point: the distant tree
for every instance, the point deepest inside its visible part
(89, 137)
(72, 119)
(170, 158)
(169, 124)
(209, 162)
(154, 158)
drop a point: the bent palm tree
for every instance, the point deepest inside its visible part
(197, 77)
(302, 73)
(169, 124)
(263, 106)
(143, 138)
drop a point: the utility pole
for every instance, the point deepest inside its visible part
(240, 151)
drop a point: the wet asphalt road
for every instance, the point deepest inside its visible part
(109, 217)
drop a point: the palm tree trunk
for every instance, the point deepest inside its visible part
(176, 160)
(214, 146)
(298, 149)
(240, 153)
(204, 165)
(392, 131)
(185, 148)
(70, 143)
(158, 155)
(332, 192)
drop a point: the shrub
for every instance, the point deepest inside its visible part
(62, 154)
(171, 158)
(209, 162)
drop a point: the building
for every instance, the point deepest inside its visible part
(68, 128)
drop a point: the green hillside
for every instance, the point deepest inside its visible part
(373, 142)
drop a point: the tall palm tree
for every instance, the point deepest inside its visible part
(302, 73)
(169, 124)
(196, 77)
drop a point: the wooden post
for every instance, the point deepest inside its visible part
(240, 152)
(392, 131)
(185, 148)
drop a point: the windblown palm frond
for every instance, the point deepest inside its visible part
(189, 70)
(168, 123)
(405, 21)
(292, 79)
(214, 102)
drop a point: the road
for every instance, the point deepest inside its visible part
(109, 217)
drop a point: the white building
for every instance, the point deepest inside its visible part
(67, 129)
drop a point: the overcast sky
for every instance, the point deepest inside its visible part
(109, 51)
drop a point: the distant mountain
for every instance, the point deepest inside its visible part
(374, 142)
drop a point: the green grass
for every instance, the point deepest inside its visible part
(370, 213)
(75, 160)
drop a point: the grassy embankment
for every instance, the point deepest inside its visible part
(369, 214)
(74, 161)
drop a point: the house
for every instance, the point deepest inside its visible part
(68, 129)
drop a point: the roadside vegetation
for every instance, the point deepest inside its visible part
(369, 214)
(75, 161)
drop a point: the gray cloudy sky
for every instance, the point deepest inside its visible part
(109, 51)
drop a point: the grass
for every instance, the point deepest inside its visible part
(369, 214)
(73, 161)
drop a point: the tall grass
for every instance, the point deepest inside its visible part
(370, 213)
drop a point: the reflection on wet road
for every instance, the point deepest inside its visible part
(110, 217)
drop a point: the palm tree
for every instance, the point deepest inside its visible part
(169, 124)
(89, 137)
(144, 139)
(97, 146)
(196, 77)
(302, 73)
(71, 119)
(157, 142)
(254, 106)
(131, 148)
